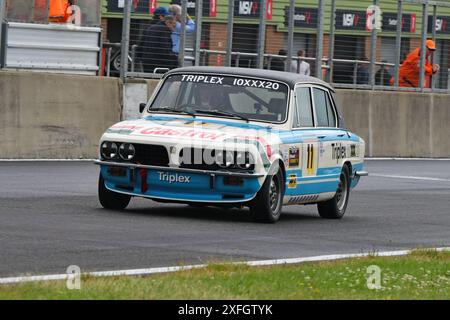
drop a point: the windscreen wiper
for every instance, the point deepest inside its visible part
(222, 113)
(167, 109)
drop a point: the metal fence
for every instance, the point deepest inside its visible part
(356, 44)
(38, 35)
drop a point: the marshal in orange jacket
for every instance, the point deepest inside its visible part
(58, 11)
(409, 72)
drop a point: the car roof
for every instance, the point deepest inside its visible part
(288, 77)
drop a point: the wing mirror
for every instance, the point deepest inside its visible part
(142, 106)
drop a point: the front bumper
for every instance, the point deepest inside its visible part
(179, 184)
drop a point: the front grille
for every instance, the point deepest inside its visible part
(196, 160)
(152, 155)
(195, 155)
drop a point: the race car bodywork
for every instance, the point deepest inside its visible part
(272, 139)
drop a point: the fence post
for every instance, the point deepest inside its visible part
(373, 49)
(290, 42)
(261, 34)
(423, 45)
(182, 33)
(2, 17)
(198, 30)
(319, 44)
(398, 42)
(432, 82)
(331, 41)
(230, 32)
(125, 39)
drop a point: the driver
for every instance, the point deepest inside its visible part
(208, 97)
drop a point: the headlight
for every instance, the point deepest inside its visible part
(219, 158)
(244, 160)
(109, 150)
(126, 151)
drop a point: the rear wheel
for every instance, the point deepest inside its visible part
(109, 199)
(335, 207)
(267, 205)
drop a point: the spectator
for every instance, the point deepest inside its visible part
(159, 14)
(175, 10)
(409, 73)
(155, 45)
(58, 11)
(362, 72)
(383, 77)
(300, 66)
(279, 63)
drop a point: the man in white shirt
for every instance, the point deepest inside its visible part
(300, 66)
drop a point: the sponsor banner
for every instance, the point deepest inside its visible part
(251, 9)
(148, 7)
(209, 8)
(138, 6)
(351, 20)
(408, 22)
(442, 24)
(303, 17)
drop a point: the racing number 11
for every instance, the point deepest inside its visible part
(310, 162)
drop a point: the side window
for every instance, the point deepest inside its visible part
(331, 114)
(324, 109)
(303, 111)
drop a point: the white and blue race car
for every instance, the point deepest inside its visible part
(234, 137)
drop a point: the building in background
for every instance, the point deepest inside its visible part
(352, 40)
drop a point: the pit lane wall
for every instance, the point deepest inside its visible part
(55, 116)
(63, 116)
(398, 124)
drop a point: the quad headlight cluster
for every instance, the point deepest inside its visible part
(115, 150)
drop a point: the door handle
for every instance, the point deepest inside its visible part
(321, 137)
(341, 135)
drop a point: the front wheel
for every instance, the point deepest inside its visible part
(267, 205)
(109, 199)
(335, 207)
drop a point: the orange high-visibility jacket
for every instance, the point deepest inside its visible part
(409, 73)
(58, 10)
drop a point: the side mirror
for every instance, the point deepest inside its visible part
(142, 106)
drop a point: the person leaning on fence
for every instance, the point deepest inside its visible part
(279, 63)
(299, 65)
(175, 10)
(383, 77)
(155, 46)
(362, 71)
(409, 73)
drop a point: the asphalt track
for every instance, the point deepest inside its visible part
(50, 218)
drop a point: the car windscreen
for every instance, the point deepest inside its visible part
(219, 95)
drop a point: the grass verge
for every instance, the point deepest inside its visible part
(419, 275)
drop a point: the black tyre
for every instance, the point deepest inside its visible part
(109, 199)
(266, 206)
(335, 207)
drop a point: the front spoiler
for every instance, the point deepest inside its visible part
(206, 186)
(210, 172)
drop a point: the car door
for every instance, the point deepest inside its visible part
(302, 149)
(332, 140)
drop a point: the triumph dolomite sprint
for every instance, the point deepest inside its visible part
(234, 137)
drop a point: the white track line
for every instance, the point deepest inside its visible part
(408, 177)
(406, 159)
(150, 271)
